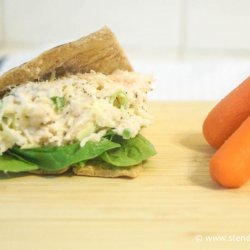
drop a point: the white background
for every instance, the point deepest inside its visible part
(197, 49)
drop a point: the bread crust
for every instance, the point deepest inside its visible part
(96, 171)
(99, 51)
(101, 171)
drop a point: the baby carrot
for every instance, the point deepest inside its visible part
(227, 115)
(230, 165)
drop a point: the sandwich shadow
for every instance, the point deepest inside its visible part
(201, 153)
(6, 176)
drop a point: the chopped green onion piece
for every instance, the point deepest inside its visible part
(119, 99)
(126, 134)
(59, 102)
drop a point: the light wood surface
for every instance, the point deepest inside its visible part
(172, 201)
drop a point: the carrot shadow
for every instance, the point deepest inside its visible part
(201, 155)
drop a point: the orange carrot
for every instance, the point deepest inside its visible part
(227, 115)
(230, 165)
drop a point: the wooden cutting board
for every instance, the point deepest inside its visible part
(172, 202)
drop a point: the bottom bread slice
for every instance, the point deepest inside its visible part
(102, 171)
(97, 171)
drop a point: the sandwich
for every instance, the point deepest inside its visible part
(77, 107)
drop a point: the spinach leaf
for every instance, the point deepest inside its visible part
(56, 158)
(9, 163)
(131, 152)
(112, 150)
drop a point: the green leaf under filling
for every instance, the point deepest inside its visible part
(56, 158)
(112, 150)
(9, 163)
(132, 152)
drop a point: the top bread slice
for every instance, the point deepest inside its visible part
(99, 51)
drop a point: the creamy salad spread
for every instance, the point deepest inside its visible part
(82, 107)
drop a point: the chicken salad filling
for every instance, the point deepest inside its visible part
(80, 107)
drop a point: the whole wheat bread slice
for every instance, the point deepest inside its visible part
(99, 51)
(101, 171)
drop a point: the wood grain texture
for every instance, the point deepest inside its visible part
(173, 200)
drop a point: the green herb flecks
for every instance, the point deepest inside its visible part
(59, 102)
